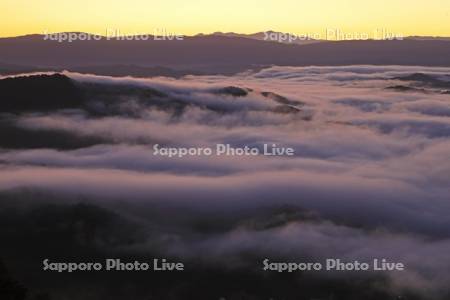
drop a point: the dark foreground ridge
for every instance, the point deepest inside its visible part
(54, 93)
(58, 91)
(38, 92)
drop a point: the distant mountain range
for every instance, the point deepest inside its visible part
(209, 54)
(302, 40)
(428, 38)
(269, 36)
(276, 36)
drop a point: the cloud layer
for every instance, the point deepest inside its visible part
(369, 179)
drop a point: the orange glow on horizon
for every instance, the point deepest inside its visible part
(415, 17)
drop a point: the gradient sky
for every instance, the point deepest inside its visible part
(404, 17)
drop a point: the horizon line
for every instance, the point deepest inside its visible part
(210, 34)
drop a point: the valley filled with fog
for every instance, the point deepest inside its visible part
(369, 179)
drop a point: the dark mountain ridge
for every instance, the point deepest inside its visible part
(219, 53)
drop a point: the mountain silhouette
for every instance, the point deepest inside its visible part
(218, 54)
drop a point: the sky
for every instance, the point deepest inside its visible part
(400, 17)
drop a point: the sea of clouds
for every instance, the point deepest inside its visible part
(370, 177)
